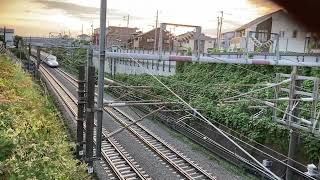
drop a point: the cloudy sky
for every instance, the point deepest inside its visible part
(39, 17)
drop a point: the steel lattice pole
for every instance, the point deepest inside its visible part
(103, 13)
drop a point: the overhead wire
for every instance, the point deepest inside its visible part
(253, 146)
(208, 122)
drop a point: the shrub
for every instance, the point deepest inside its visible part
(33, 141)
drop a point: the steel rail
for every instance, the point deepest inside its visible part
(122, 166)
(67, 76)
(183, 165)
(66, 97)
(195, 135)
(130, 88)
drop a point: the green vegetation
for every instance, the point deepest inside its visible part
(70, 59)
(17, 41)
(78, 42)
(33, 139)
(18, 53)
(204, 85)
(186, 51)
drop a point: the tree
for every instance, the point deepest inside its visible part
(16, 40)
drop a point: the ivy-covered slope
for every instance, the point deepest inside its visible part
(33, 139)
(204, 85)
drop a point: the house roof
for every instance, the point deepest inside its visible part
(228, 32)
(158, 29)
(259, 20)
(191, 34)
(117, 27)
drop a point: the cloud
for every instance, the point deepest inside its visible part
(264, 5)
(80, 11)
(231, 23)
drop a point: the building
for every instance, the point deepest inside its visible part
(226, 39)
(84, 37)
(9, 36)
(188, 40)
(147, 40)
(260, 35)
(115, 36)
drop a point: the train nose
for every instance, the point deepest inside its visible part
(53, 63)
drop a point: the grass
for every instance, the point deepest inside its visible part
(33, 140)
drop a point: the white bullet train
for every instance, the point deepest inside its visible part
(47, 58)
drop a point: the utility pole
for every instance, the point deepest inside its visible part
(292, 109)
(218, 27)
(155, 32)
(90, 118)
(29, 53)
(92, 36)
(82, 30)
(128, 20)
(102, 49)
(81, 112)
(92, 28)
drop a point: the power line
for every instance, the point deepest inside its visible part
(208, 122)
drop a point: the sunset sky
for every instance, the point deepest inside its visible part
(39, 17)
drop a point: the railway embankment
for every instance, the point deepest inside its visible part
(206, 86)
(33, 139)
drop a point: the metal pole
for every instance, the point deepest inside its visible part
(247, 45)
(28, 55)
(38, 62)
(218, 27)
(293, 135)
(81, 108)
(155, 32)
(103, 13)
(160, 43)
(277, 49)
(90, 119)
(198, 34)
(89, 57)
(128, 20)
(4, 37)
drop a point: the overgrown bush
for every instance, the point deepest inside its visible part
(33, 139)
(204, 85)
(70, 59)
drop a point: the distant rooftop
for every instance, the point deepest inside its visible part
(7, 30)
(259, 20)
(191, 34)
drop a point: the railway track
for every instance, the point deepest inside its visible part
(181, 164)
(123, 166)
(174, 158)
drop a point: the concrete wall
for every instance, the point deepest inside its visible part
(127, 66)
(189, 45)
(282, 22)
(226, 40)
(208, 44)
(9, 38)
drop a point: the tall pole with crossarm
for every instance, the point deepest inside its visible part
(102, 47)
